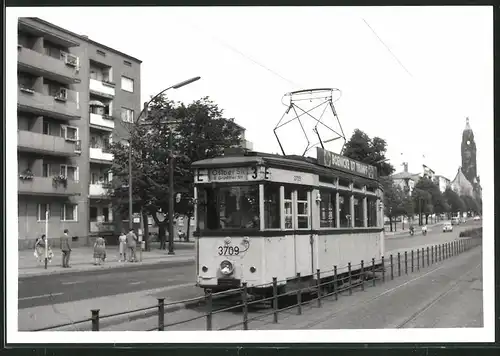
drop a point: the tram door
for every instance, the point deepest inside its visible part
(303, 237)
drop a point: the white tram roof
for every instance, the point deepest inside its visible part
(244, 158)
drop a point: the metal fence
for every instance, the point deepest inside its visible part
(338, 280)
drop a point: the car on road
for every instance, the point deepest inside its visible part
(477, 218)
(455, 221)
(447, 227)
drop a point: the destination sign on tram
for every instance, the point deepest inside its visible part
(228, 174)
(333, 160)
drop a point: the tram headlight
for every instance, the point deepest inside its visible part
(226, 267)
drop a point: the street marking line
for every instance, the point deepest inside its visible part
(134, 283)
(41, 296)
(70, 283)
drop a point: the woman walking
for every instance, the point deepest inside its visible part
(99, 251)
(40, 249)
(122, 241)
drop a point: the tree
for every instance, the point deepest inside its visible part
(456, 204)
(362, 148)
(393, 199)
(201, 132)
(471, 204)
(422, 201)
(437, 200)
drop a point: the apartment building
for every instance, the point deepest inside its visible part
(74, 95)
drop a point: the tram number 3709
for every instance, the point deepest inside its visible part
(228, 250)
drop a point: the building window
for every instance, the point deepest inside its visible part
(46, 128)
(372, 211)
(288, 208)
(344, 209)
(46, 170)
(69, 172)
(42, 209)
(272, 206)
(127, 115)
(127, 84)
(358, 211)
(69, 132)
(69, 212)
(302, 208)
(105, 213)
(327, 209)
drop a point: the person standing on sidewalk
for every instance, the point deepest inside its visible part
(65, 249)
(40, 249)
(122, 242)
(99, 251)
(131, 244)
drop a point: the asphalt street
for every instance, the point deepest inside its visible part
(447, 294)
(54, 289)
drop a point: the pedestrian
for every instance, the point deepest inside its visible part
(122, 241)
(40, 249)
(99, 251)
(65, 249)
(131, 244)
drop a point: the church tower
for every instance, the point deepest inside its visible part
(469, 168)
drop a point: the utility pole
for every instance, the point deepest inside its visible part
(170, 194)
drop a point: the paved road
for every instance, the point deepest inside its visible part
(54, 289)
(447, 294)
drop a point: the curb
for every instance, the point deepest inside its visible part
(43, 272)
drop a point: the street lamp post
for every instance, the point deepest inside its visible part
(171, 183)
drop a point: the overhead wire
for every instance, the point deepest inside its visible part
(244, 55)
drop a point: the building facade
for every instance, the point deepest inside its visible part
(442, 182)
(467, 182)
(73, 96)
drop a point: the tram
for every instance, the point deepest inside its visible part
(262, 215)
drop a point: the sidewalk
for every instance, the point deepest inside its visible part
(82, 260)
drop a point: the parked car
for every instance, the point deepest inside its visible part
(477, 218)
(447, 227)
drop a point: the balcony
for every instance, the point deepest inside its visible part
(102, 121)
(104, 89)
(64, 106)
(46, 186)
(46, 144)
(98, 154)
(98, 190)
(64, 70)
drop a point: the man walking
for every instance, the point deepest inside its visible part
(65, 249)
(131, 244)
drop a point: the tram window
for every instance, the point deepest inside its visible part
(327, 209)
(288, 208)
(344, 182)
(235, 207)
(372, 211)
(302, 209)
(358, 211)
(344, 209)
(272, 206)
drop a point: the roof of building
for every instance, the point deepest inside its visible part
(403, 175)
(83, 38)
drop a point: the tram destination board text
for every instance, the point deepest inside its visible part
(228, 174)
(333, 160)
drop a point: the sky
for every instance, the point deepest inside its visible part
(410, 75)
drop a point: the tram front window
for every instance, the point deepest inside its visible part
(235, 207)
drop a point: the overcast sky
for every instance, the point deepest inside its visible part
(249, 57)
